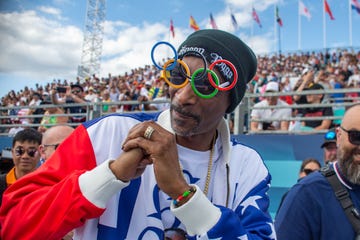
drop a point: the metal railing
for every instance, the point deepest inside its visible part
(241, 116)
(92, 110)
(334, 103)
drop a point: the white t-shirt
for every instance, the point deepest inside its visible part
(264, 113)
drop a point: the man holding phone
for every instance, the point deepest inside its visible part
(61, 89)
(73, 94)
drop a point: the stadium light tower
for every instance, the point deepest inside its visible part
(93, 39)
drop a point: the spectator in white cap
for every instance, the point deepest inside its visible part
(271, 118)
(91, 95)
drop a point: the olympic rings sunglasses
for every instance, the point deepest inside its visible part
(19, 151)
(204, 81)
(354, 136)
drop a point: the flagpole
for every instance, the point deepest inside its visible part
(275, 30)
(350, 25)
(168, 50)
(170, 33)
(279, 33)
(279, 41)
(299, 26)
(252, 24)
(324, 25)
(252, 19)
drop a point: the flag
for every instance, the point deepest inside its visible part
(193, 24)
(256, 17)
(304, 11)
(278, 19)
(355, 5)
(328, 10)
(172, 29)
(234, 22)
(212, 22)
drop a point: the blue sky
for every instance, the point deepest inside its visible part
(42, 40)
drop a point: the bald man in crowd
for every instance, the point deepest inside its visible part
(311, 209)
(51, 139)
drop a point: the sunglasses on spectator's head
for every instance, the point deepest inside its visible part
(75, 91)
(174, 234)
(331, 135)
(307, 171)
(19, 151)
(354, 136)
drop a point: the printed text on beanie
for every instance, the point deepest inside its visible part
(216, 44)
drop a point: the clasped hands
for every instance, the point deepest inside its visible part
(148, 143)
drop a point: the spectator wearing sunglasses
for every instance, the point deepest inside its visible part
(311, 209)
(73, 94)
(25, 157)
(52, 138)
(135, 176)
(329, 146)
(308, 166)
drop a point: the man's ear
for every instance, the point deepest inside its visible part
(41, 150)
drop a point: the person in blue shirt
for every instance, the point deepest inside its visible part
(311, 209)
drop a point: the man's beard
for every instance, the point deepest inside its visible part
(350, 169)
(185, 132)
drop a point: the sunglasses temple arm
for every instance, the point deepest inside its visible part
(225, 84)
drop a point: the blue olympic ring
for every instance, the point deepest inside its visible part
(172, 66)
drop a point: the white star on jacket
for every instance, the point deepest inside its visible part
(250, 201)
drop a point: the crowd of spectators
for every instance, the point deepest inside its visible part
(299, 73)
(332, 71)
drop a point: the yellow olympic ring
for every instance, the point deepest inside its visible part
(164, 74)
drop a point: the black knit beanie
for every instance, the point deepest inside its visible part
(216, 44)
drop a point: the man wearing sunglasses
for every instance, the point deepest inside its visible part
(311, 209)
(74, 94)
(25, 157)
(142, 175)
(52, 138)
(309, 165)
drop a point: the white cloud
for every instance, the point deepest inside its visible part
(261, 44)
(112, 27)
(132, 46)
(42, 47)
(38, 46)
(50, 10)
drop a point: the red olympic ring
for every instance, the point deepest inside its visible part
(211, 80)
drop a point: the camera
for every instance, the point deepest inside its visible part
(61, 89)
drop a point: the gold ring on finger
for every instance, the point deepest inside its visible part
(148, 132)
